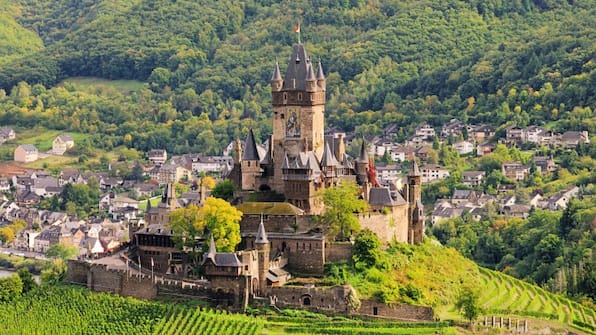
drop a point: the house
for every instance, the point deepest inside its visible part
(452, 128)
(169, 173)
(425, 131)
(422, 153)
(460, 196)
(70, 176)
(27, 198)
(26, 153)
(473, 178)
(400, 153)
(387, 172)
(482, 133)
(544, 164)
(532, 134)
(158, 156)
(7, 134)
(571, 139)
(432, 172)
(41, 184)
(4, 185)
(516, 211)
(515, 170)
(514, 134)
(62, 143)
(463, 147)
(560, 200)
(485, 148)
(25, 239)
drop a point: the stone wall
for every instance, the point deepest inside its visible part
(338, 251)
(76, 272)
(396, 311)
(389, 227)
(277, 223)
(331, 299)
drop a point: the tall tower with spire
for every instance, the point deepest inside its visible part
(298, 111)
(264, 249)
(415, 208)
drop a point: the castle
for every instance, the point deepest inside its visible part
(284, 238)
(299, 160)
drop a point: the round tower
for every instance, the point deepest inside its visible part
(264, 249)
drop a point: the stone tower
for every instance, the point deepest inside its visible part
(250, 163)
(298, 107)
(264, 249)
(415, 209)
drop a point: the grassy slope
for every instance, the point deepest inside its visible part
(441, 272)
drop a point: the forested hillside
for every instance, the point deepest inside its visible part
(207, 65)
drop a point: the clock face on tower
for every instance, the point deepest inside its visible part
(293, 125)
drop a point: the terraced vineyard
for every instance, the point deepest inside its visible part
(284, 325)
(505, 295)
(73, 310)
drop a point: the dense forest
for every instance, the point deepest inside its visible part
(207, 65)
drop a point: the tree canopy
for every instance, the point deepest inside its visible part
(342, 203)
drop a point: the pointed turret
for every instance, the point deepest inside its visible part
(261, 234)
(329, 159)
(250, 148)
(321, 81)
(414, 170)
(310, 80)
(363, 158)
(276, 80)
(212, 249)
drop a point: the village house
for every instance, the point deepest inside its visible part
(482, 133)
(432, 172)
(7, 134)
(463, 147)
(158, 156)
(560, 200)
(473, 178)
(61, 144)
(544, 164)
(514, 134)
(515, 170)
(532, 134)
(452, 128)
(485, 148)
(26, 153)
(4, 185)
(70, 176)
(571, 139)
(425, 131)
(169, 173)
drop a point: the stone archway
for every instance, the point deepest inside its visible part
(306, 300)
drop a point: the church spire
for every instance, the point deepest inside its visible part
(414, 170)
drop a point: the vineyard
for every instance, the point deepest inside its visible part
(505, 295)
(73, 310)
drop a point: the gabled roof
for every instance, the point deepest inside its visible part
(28, 148)
(64, 138)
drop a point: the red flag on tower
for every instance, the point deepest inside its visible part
(297, 28)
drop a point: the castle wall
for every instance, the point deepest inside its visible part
(138, 286)
(277, 223)
(101, 279)
(396, 311)
(389, 227)
(76, 272)
(321, 298)
(338, 251)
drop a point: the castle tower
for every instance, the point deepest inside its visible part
(264, 249)
(250, 163)
(298, 107)
(168, 198)
(362, 165)
(414, 199)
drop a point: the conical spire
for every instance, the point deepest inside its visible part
(212, 249)
(250, 148)
(276, 72)
(414, 171)
(310, 73)
(329, 158)
(363, 153)
(320, 73)
(261, 234)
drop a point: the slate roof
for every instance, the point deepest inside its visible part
(29, 148)
(380, 196)
(269, 208)
(156, 229)
(297, 70)
(250, 148)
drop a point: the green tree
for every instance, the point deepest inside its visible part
(223, 190)
(10, 288)
(62, 251)
(341, 203)
(27, 279)
(468, 304)
(54, 273)
(367, 248)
